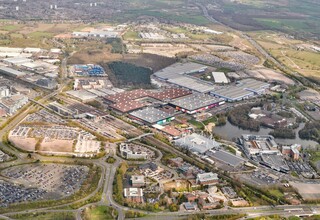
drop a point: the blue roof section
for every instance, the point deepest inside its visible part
(89, 70)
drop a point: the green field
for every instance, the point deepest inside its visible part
(300, 18)
(10, 27)
(131, 35)
(127, 74)
(162, 9)
(45, 216)
(99, 213)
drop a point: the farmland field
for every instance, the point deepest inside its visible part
(300, 18)
(296, 54)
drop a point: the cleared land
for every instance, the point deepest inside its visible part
(295, 17)
(308, 191)
(99, 213)
(295, 54)
(177, 185)
(32, 35)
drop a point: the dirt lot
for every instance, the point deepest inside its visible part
(270, 74)
(57, 146)
(308, 191)
(152, 61)
(164, 49)
(27, 144)
(176, 184)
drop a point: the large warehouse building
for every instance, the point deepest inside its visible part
(11, 72)
(195, 103)
(243, 90)
(179, 75)
(128, 101)
(151, 116)
(197, 143)
(178, 69)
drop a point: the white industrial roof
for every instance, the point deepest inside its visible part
(82, 94)
(192, 84)
(17, 60)
(220, 77)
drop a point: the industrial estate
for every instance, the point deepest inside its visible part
(153, 117)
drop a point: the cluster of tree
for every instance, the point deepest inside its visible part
(95, 104)
(134, 214)
(283, 133)
(311, 131)
(239, 116)
(285, 114)
(127, 74)
(219, 120)
(110, 160)
(118, 183)
(117, 45)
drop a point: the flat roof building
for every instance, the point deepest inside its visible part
(220, 77)
(16, 61)
(82, 95)
(11, 72)
(197, 143)
(133, 194)
(151, 115)
(243, 90)
(192, 83)
(179, 74)
(138, 181)
(225, 157)
(207, 178)
(128, 153)
(255, 144)
(196, 102)
(179, 69)
(128, 101)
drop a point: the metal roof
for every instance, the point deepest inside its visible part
(195, 101)
(192, 84)
(178, 69)
(151, 115)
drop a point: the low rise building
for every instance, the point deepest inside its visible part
(196, 102)
(47, 83)
(190, 206)
(292, 151)
(4, 92)
(220, 77)
(138, 181)
(133, 195)
(255, 144)
(196, 143)
(244, 89)
(151, 115)
(13, 103)
(207, 178)
(128, 153)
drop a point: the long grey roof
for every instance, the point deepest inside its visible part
(151, 115)
(195, 101)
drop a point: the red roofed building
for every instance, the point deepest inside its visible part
(125, 102)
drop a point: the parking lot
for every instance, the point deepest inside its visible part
(86, 144)
(163, 176)
(4, 157)
(229, 192)
(100, 127)
(21, 131)
(54, 138)
(55, 132)
(44, 116)
(302, 168)
(11, 193)
(260, 177)
(56, 180)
